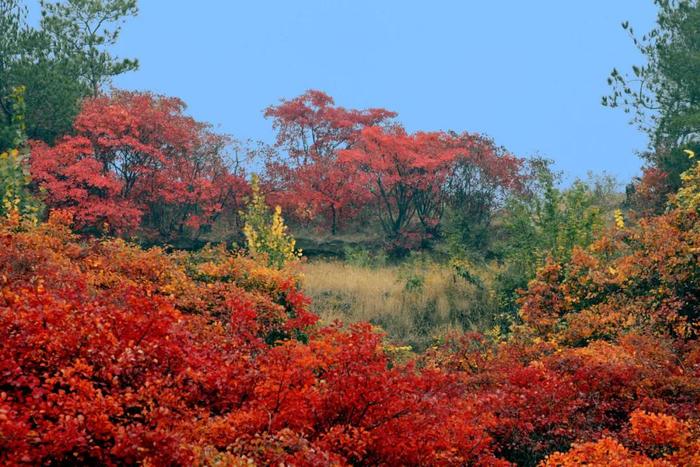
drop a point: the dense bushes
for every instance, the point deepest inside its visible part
(608, 352)
(114, 354)
(110, 353)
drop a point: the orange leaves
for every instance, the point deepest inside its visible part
(657, 440)
(606, 452)
(544, 301)
(544, 396)
(644, 280)
(658, 430)
(111, 354)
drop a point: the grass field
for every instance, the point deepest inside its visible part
(414, 303)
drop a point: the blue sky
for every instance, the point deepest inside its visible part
(528, 73)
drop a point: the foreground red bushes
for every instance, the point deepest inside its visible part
(607, 358)
(544, 396)
(113, 354)
(110, 354)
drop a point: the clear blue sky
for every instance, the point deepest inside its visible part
(528, 73)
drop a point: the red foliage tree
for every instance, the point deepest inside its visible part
(73, 179)
(398, 168)
(412, 175)
(136, 157)
(310, 180)
(647, 195)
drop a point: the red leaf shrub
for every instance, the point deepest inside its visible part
(111, 354)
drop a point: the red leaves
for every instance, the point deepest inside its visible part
(114, 354)
(312, 180)
(338, 162)
(311, 128)
(397, 168)
(110, 354)
(74, 181)
(658, 440)
(407, 174)
(543, 397)
(137, 157)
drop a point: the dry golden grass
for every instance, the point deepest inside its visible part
(413, 303)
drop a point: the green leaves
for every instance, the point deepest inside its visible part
(662, 95)
(65, 60)
(15, 197)
(83, 30)
(550, 223)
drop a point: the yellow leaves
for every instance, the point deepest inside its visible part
(619, 219)
(690, 153)
(265, 233)
(11, 154)
(16, 202)
(209, 269)
(688, 196)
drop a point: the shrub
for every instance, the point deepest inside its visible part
(110, 354)
(265, 233)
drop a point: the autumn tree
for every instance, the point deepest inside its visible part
(137, 159)
(483, 177)
(308, 175)
(414, 177)
(404, 173)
